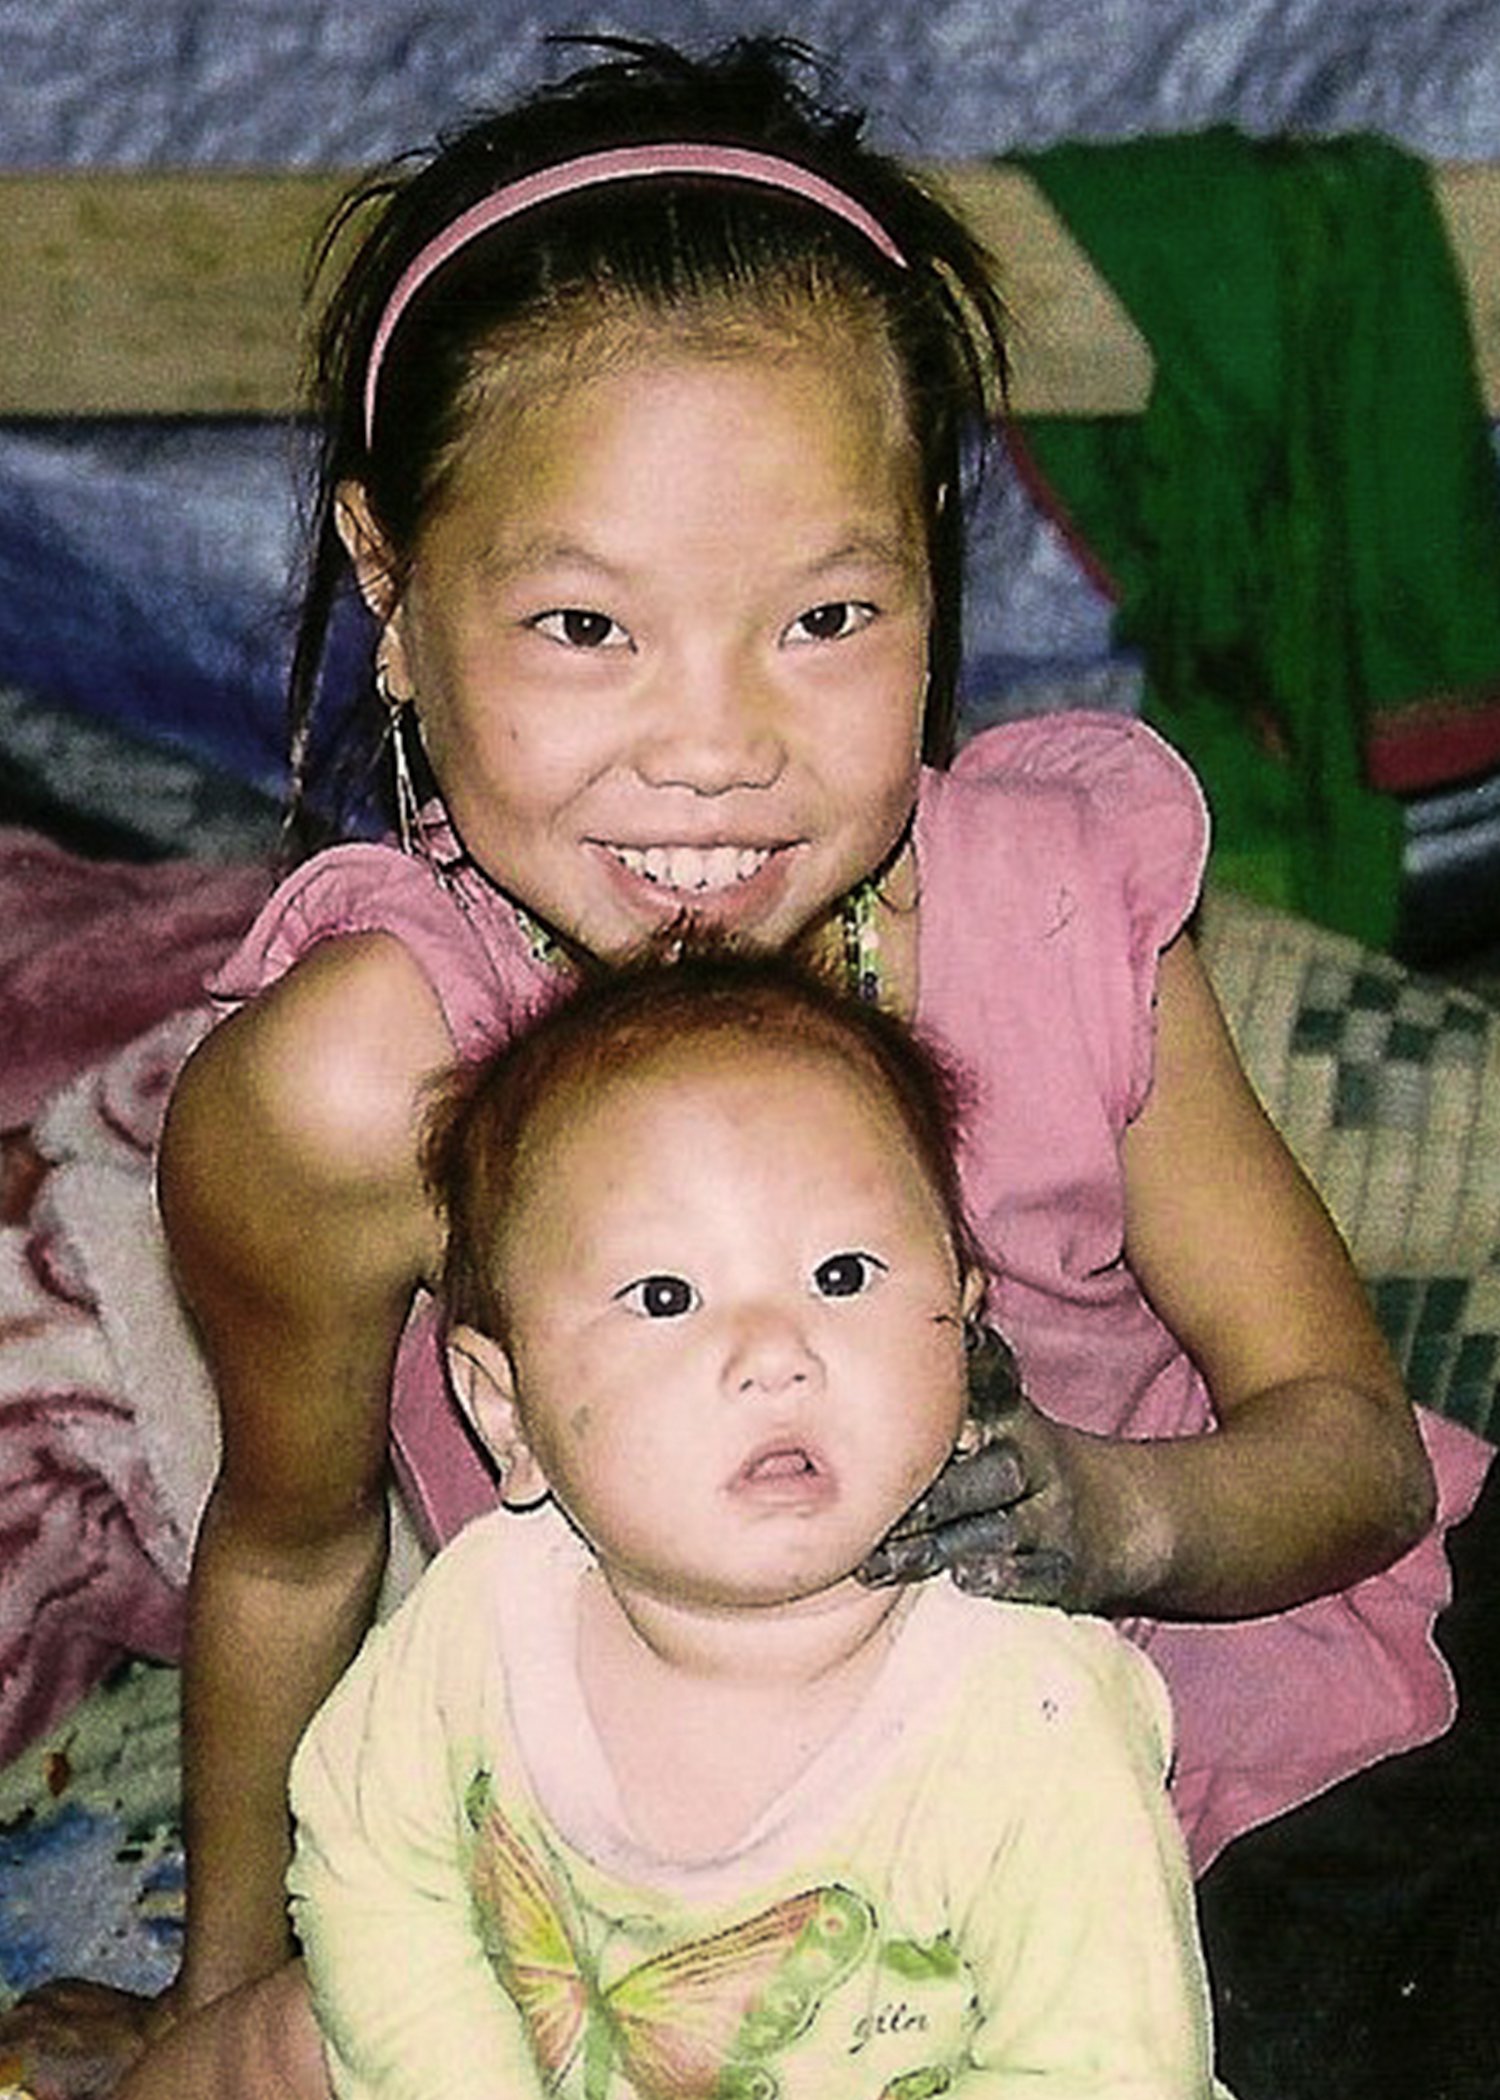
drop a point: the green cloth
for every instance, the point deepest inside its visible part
(1302, 529)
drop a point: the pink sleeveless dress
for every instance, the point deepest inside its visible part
(1056, 859)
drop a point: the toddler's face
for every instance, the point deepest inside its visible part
(667, 629)
(737, 1334)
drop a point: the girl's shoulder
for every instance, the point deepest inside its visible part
(461, 935)
(1085, 758)
(1057, 1673)
(289, 1158)
(345, 890)
(1062, 812)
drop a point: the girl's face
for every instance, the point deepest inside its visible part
(666, 635)
(736, 1350)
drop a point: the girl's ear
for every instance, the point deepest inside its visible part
(367, 548)
(484, 1381)
(375, 572)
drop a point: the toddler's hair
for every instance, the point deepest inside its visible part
(708, 253)
(633, 1018)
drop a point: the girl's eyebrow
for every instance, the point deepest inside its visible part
(500, 560)
(884, 550)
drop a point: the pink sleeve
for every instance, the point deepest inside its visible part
(1141, 827)
(465, 939)
(361, 888)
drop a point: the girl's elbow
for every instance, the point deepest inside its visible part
(1416, 1498)
(1408, 1497)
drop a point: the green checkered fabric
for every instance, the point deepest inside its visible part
(1386, 1085)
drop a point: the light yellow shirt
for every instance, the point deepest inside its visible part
(978, 1889)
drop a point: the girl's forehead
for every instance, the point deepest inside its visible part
(524, 379)
(642, 436)
(767, 1133)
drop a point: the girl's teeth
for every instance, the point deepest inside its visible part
(693, 868)
(723, 867)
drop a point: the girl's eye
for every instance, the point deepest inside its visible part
(659, 1297)
(577, 627)
(846, 1275)
(833, 622)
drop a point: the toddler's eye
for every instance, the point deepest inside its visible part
(578, 627)
(833, 622)
(846, 1275)
(659, 1297)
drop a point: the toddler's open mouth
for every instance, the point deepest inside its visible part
(785, 1474)
(784, 1462)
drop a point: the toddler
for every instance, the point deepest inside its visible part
(643, 1791)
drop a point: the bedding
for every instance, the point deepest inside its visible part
(212, 82)
(143, 580)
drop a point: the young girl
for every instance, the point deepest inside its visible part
(662, 1799)
(647, 407)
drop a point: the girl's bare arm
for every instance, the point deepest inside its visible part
(299, 1231)
(1315, 1474)
(259, 2043)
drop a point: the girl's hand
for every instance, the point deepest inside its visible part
(1004, 1519)
(75, 2040)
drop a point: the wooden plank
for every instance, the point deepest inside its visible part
(1074, 348)
(154, 294)
(181, 293)
(1468, 196)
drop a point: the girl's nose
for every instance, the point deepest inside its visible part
(714, 729)
(770, 1354)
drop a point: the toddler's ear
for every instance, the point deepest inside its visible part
(483, 1380)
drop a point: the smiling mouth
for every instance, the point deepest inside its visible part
(692, 870)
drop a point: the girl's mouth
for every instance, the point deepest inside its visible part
(692, 870)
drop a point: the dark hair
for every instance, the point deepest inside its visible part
(666, 245)
(627, 1018)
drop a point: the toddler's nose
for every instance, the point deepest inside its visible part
(770, 1354)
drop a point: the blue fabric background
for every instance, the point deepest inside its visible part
(144, 568)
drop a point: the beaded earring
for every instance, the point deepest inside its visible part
(861, 932)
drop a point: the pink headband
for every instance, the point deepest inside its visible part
(623, 163)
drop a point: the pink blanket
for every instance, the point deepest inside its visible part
(101, 973)
(93, 953)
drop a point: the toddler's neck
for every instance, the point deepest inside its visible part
(706, 1719)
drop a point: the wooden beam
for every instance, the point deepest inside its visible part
(181, 293)
(155, 294)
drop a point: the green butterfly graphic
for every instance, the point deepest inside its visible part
(694, 2023)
